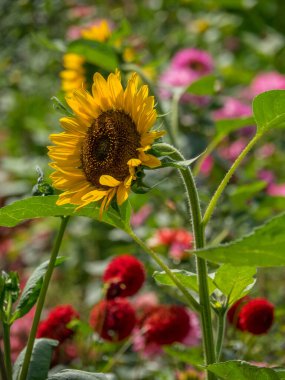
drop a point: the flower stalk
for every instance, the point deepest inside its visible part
(42, 296)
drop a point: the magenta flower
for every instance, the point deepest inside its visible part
(197, 61)
(232, 151)
(267, 81)
(177, 78)
(276, 190)
(232, 108)
(207, 165)
(266, 176)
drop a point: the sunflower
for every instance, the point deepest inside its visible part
(97, 156)
(74, 73)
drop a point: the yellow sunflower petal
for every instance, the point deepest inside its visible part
(149, 160)
(134, 162)
(122, 194)
(108, 180)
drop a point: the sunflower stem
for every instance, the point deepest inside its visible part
(221, 333)
(133, 67)
(190, 299)
(42, 296)
(202, 272)
(213, 202)
(7, 350)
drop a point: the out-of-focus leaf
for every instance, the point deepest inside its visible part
(95, 52)
(206, 85)
(226, 126)
(72, 374)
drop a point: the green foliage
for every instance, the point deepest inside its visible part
(188, 279)
(72, 374)
(206, 85)
(39, 207)
(185, 354)
(264, 247)
(240, 370)
(225, 126)
(269, 110)
(40, 360)
(234, 282)
(98, 53)
(32, 289)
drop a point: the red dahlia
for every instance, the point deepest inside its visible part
(166, 324)
(234, 310)
(124, 275)
(256, 316)
(55, 325)
(114, 319)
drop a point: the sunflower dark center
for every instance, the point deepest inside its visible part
(111, 141)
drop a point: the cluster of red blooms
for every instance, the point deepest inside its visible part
(55, 327)
(114, 318)
(252, 315)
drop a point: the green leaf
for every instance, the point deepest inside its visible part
(234, 282)
(240, 370)
(226, 126)
(60, 107)
(182, 165)
(72, 374)
(40, 360)
(241, 194)
(95, 52)
(188, 279)
(269, 110)
(206, 85)
(32, 289)
(264, 247)
(163, 149)
(39, 207)
(185, 354)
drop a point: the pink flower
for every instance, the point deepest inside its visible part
(266, 150)
(267, 81)
(276, 190)
(231, 109)
(139, 217)
(178, 241)
(197, 61)
(232, 151)
(207, 165)
(266, 176)
(174, 77)
(144, 303)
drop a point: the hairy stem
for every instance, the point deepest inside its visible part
(42, 296)
(198, 230)
(221, 334)
(7, 350)
(213, 202)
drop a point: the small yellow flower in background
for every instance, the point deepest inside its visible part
(96, 157)
(73, 75)
(98, 32)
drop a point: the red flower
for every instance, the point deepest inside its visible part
(113, 320)
(55, 326)
(125, 275)
(256, 316)
(234, 311)
(166, 324)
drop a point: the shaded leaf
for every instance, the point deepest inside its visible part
(264, 247)
(95, 52)
(39, 207)
(206, 85)
(234, 282)
(240, 370)
(40, 360)
(188, 279)
(32, 289)
(269, 110)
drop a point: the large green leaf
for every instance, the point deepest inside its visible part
(264, 247)
(32, 289)
(206, 85)
(240, 370)
(40, 360)
(233, 281)
(72, 374)
(269, 110)
(188, 279)
(39, 207)
(95, 52)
